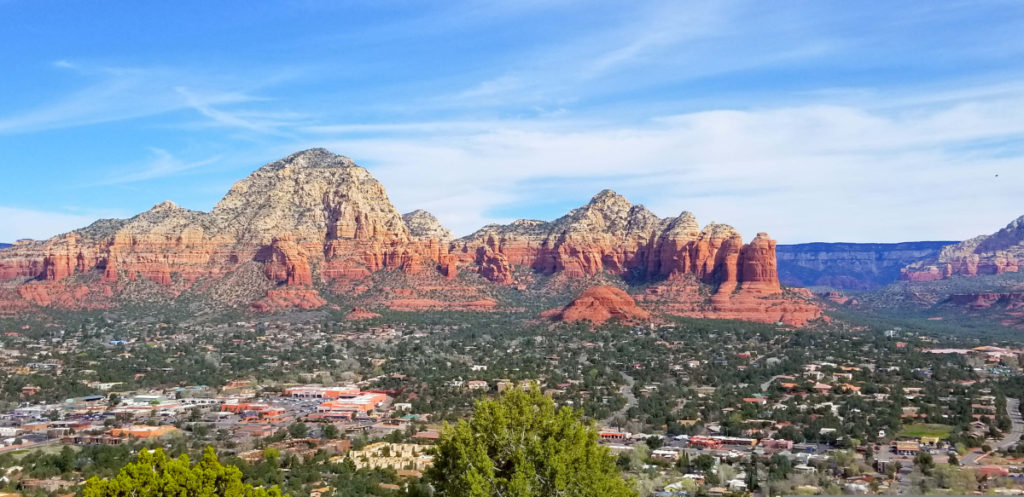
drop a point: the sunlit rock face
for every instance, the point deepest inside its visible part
(315, 222)
(1000, 252)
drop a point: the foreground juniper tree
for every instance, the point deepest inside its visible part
(154, 474)
(521, 445)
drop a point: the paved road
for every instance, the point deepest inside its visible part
(28, 446)
(972, 457)
(765, 385)
(627, 392)
(1010, 439)
(1013, 437)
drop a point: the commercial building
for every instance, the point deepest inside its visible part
(320, 392)
(358, 402)
(142, 431)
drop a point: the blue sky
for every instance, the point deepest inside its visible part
(813, 121)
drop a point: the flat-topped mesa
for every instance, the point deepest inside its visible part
(1000, 252)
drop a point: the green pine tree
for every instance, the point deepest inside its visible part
(752, 475)
(154, 474)
(521, 445)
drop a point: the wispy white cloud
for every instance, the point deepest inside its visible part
(642, 100)
(119, 94)
(111, 94)
(273, 123)
(492, 88)
(802, 172)
(652, 45)
(424, 127)
(661, 28)
(161, 165)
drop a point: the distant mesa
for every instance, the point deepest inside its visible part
(851, 266)
(977, 301)
(598, 305)
(314, 224)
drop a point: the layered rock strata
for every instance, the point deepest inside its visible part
(1000, 252)
(315, 221)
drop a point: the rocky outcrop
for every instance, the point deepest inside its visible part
(1005, 308)
(422, 224)
(286, 262)
(278, 299)
(850, 266)
(1000, 252)
(67, 296)
(315, 221)
(314, 196)
(494, 266)
(426, 304)
(359, 314)
(598, 305)
(310, 210)
(838, 298)
(1003, 300)
(13, 304)
(758, 267)
(680, 297)
(611, 235)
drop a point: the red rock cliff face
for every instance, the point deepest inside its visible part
(285, 262)
(316, 220)
(313, 210)
(1010, 300)
(611, 235)
(758, 268)
(1000, 252)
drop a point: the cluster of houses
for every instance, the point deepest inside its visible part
(107, 419)
(406, 458)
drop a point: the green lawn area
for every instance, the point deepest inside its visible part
(925, 430)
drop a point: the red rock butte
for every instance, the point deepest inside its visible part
(598, 305)
(315, 222)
